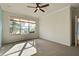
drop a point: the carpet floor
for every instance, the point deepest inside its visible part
(47, 48)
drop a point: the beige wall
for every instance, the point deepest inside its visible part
(7, 37)
(56, 26)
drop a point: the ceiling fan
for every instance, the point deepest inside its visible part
(38, 7)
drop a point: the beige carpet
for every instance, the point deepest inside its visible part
(47, 48)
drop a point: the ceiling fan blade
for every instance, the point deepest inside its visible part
(44, 5)
(42, 10)
(35, 10)
(31, 7)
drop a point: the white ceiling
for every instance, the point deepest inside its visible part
(21, 8)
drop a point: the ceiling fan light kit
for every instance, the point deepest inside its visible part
(38, 7)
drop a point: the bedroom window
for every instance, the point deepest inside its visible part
(32, 28)
(14, 26)
(24, 28)
(19, 26)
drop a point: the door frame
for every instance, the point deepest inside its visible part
(76, 31)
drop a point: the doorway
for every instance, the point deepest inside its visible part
(76, 31)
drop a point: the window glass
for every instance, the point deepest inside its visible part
(14, 27)
(32, 28)
(19, 26)
(24, 28)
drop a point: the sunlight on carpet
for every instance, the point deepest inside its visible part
(28, 52)
(15, 50)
